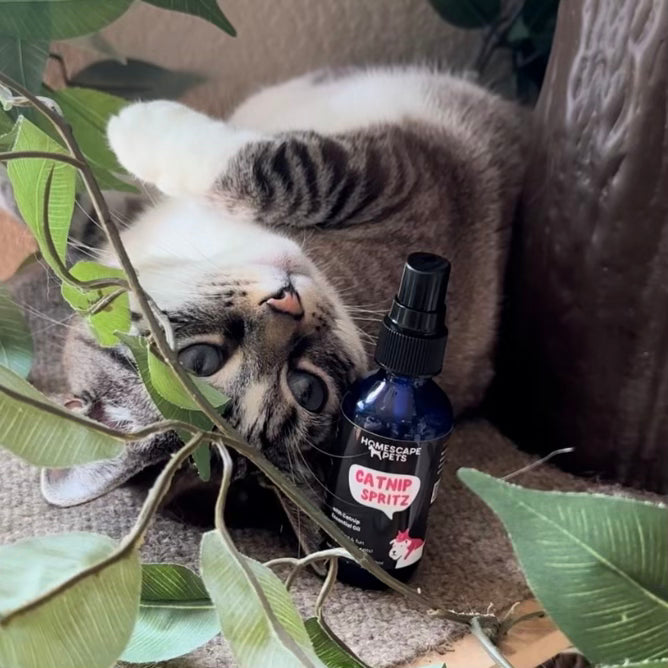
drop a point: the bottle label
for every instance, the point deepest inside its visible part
(382, 491)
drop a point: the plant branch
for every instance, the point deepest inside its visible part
(60, 267)
(327, 587)
(489, 647)
(538, 462)
(228, 467)
(285, 637)
(131, 542)
(508, 624)
(310, 558)
(159, 490)
(48, 155)
(231, 436)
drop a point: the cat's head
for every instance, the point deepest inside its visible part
(251, 315)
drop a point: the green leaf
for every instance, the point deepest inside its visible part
(202, 456)
(139, 348)
(205, 9)
(176, 615)
(202, 459)
(136, 79)
(257, 615)
(86, 624)
(23, 60)
(598, 564)
(468, 13)
(29, 176)
(113, 318)
(166, 383)
(327, 649)
(44, 439)
(518, 32)
(88, 112)
(15, 340)
(58, 19)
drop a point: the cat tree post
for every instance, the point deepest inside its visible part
(584, 358)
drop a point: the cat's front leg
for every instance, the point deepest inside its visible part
(179, 150)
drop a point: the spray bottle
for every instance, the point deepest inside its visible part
(394, 425)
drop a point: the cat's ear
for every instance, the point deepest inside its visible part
(166, 144)
(79, 484)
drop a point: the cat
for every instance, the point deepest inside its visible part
(278, 240)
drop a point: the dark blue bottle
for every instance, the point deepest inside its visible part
(394, 425)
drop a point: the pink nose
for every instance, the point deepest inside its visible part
(287, 301)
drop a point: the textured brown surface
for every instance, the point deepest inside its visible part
(468, 563)
(588, 342)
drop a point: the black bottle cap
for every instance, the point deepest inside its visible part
(413, 335)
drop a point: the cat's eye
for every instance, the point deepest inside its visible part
(202, 359)
(308, 389)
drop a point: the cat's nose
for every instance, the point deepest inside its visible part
(286, 301)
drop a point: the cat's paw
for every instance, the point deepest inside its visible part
(173, 147)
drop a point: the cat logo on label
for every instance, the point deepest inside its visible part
(405, 550)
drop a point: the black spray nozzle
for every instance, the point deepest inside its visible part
(413, 334)
(424, 282)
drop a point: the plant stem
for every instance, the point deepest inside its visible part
(489, 647)
(508, 624)
(310, 558)
(232, 437)
(327, 587)
(60, 157)
(60, 268)
(219, 520)
(228, 467)
(131, 542)
(538, 462)
(159, 490)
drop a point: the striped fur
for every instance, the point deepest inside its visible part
(328, 182)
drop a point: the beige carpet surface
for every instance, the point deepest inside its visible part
(468, 562)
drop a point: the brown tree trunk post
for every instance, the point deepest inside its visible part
(584, 357)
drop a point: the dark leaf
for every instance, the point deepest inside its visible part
(205, 9)
(468, 13)
(135, 80)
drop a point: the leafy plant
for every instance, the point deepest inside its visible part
(524, 28)
(27, 28)
(193, 409)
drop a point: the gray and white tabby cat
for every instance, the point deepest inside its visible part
(278, 227)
